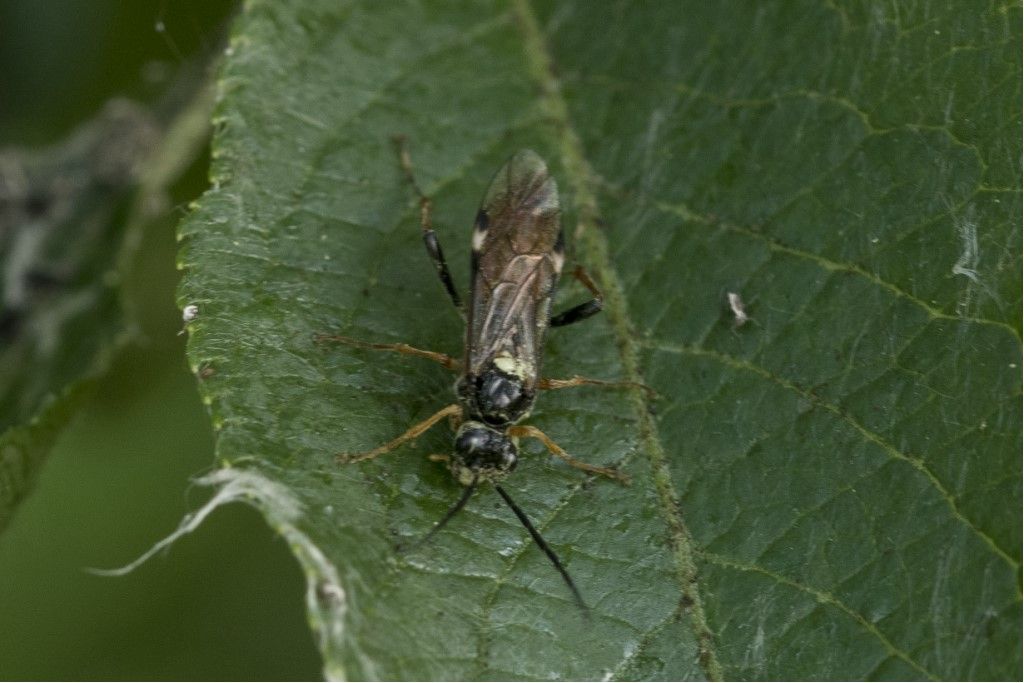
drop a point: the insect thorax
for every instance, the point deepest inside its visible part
(496, 397)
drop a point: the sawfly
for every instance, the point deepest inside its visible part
(518, 251)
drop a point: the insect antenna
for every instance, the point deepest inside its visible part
(539, 540)
(452, 511)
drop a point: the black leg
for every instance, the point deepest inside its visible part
(577, 313)
(430, 240)
(436, 255)
(584, 310)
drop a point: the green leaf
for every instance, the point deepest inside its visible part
(830, 490)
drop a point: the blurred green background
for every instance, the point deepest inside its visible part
(227, 601)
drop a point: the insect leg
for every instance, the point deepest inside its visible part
(577, 381)
(453, 409)
(584, 310)
(430, 240)
(556, 450)
(443, 359)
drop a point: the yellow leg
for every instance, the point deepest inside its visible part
(556, 450)
(443, 359)
(578, 381)
(584, 279)
(447, 411)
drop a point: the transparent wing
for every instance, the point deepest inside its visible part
(517, 259)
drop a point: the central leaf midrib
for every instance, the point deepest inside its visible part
(595, 247)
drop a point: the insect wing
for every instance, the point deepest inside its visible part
(518, 252)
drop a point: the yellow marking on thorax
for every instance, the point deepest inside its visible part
(517, 367)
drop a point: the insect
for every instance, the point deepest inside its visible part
(518, 251)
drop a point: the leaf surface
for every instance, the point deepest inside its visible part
(830, 490)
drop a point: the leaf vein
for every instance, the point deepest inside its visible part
(582, 181)
(832, 266)
(868, 434)
(822, 597)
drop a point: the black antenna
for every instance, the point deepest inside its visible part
(454, 510)
(539, 540)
